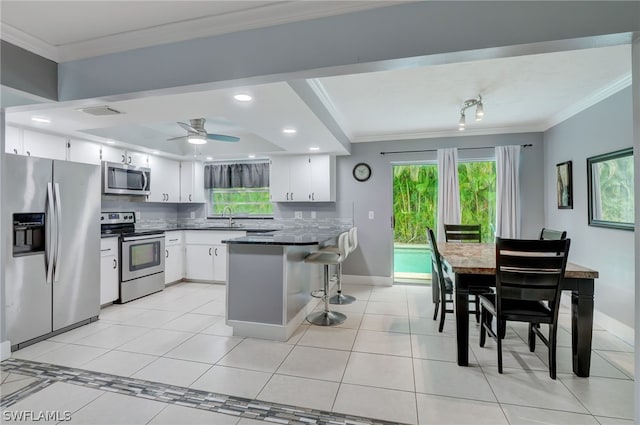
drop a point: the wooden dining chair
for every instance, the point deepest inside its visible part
(528, 278)
(552, 235)
(466, 233)
(445, 285)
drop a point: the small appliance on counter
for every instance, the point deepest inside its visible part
(141, 255)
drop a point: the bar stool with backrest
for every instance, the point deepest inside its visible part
(327, 258)
(339, 297)
(529, 274)
(467, 233)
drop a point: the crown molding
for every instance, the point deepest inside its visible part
(595, 97)
(319, 90)
(248, 19)
(447, 133)
(28, 42)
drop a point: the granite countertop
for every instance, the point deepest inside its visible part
(306, 236)
(170, 228)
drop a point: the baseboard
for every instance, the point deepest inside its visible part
(5, 350)
(352, 279)
(608, 323)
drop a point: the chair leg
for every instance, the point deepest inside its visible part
(483, 330)
(435, 310)
(443, 305)
(499, 324)
(532, 338)
(553, 331)
(502, 327)
(477, 309)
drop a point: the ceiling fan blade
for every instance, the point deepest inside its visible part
(177, 139)
(222, 137)
(188, 127)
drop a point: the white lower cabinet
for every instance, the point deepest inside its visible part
(206, 255)
(109, 270)
(174, 260)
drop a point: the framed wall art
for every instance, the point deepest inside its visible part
(564, 185)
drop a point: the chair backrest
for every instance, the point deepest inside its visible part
(530, 270)
(436, 262)
(552, 235)
(462, 232)
(343, 244)
(353, 239)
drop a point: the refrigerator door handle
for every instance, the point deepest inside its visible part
(58, 215)
(49, 247)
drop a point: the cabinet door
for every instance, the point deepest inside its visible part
(85, 152)
(138, 159)
(108, 279)
(173, 263)
(279, 179)
(165, 180)
(299, 179)
(113, 154)
(192, 182)
(323, 187)
(198, 262)
(13, 140)
(44, 145)
(220, 263)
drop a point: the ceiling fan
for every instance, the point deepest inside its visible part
(197, 134)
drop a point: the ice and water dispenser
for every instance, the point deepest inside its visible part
(28, 233)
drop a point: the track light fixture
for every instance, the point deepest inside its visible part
(469, 103)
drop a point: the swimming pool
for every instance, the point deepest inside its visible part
(411, 259)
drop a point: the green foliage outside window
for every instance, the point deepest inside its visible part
(615, 178)
(241, 201)
(415, 199)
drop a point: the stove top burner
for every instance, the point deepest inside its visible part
(123, 224)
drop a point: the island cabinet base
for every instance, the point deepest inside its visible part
(269, 289)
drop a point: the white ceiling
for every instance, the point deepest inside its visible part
(523, 93)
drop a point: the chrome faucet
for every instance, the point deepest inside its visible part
(228, 208)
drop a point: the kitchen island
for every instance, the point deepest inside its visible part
(268, 283)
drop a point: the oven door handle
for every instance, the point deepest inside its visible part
(142, 238)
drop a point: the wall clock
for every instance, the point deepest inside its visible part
(362, 172)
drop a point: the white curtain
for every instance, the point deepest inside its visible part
(448, 190)
(508, 191)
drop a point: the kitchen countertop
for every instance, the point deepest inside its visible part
(306, 236)
(247, 229)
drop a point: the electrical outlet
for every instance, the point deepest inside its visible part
(297, 214)
(313, 214)
(370, 215)
(192, 214)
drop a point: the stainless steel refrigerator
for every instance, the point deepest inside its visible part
(52, 259)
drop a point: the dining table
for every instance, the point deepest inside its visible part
(473, 265)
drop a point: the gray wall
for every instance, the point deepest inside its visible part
(374, 257)
(604, 127)
(28, 72)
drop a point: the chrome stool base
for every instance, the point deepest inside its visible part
(339, 298)
(326, 318)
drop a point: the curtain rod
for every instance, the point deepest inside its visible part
(435, 150)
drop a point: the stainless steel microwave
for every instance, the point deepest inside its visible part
(122, 179)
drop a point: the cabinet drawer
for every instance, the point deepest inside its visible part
(210, 237)
(108, 246)
(173, 237)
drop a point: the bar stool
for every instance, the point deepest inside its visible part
(326, 258)
(339, 297)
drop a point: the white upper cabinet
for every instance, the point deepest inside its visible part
(123, 156)
(83, 151)
(192, 182)
(43, 145)
(13, 140)
(307, 178)
(165, 180)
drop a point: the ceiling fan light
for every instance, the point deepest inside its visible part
(479, 111)
(196, 139)
(461, 122)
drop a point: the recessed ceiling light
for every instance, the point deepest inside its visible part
(209, 158)
(41, 120)
(243, 97)
(110, 142)
(314, 148)
(289, 130)
(155, 152)
(252, 155)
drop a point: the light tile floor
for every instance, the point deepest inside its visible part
(387, 361)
